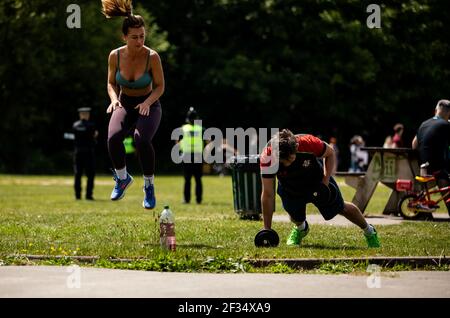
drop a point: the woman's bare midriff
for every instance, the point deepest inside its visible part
(136, 92)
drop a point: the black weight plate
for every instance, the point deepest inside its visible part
(267, 238)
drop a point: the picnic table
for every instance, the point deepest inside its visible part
(386, 166)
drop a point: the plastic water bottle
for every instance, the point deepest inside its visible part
(424, 169)
(167, 229)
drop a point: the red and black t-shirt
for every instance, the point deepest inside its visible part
(304, 172)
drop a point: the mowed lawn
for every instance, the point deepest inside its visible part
(39, 215)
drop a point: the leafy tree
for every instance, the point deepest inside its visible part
(313, 66)
(52, 70)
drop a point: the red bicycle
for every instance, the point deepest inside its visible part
(420, 204)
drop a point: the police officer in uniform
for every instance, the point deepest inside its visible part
(191, 146)
(85, 134)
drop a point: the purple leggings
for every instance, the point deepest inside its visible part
(122, 121)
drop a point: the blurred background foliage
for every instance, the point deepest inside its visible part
(312, 66)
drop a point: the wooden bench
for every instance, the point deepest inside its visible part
(351, 178)
(386, 166)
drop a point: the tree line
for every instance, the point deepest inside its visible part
(312, 66)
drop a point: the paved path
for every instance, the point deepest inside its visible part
(55, 281)
(339, 220)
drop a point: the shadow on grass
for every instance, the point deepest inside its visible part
(437, 220)
(199, 246)
(390, 216)
(84, 201)
(431, 218)
(422, 218)
(329, 247)
(98, 200)
(223, 204)
(188, 246)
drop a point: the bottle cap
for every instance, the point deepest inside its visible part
(166, 207)
(424, 165)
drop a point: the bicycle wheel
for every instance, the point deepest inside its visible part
(407, 209)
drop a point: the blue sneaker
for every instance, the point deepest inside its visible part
(149, 199)
(121, 185)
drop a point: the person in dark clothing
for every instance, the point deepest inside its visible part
(432, 141)
(85, 134)
(191, 146)
(303, 165)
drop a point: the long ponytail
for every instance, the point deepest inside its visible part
(117, 8)
(122, 8)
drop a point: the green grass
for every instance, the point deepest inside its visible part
(38, 215)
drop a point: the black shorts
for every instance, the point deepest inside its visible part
(296, 206)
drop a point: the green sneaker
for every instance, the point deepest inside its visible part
(372, 240)
(296, 236)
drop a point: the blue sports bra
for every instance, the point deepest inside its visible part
(142, 82)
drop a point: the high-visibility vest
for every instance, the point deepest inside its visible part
(192, 141)
(128, 143)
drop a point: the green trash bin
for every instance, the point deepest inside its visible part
(247, 186)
